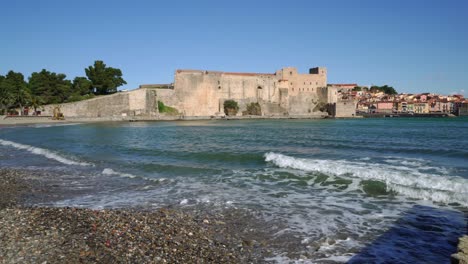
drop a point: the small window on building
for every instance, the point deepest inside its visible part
(219, 82)
(316, 83)
(293, 89)
(310, 83)
(219, 87)
(304, 83)
(290, 73)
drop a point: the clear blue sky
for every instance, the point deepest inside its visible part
(414, 45)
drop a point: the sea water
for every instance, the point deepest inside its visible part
(357, 190)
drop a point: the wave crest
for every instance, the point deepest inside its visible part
(403, 178)
(108, 171)
(43, 152)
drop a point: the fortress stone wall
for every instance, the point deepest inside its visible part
(285, 92)
(201, 94)
(139, 102)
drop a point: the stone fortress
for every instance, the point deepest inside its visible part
(286, 92)
(201, 94)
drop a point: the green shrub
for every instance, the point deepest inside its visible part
(231, 107)
(253, 109)
(77, 97)
(167, 109)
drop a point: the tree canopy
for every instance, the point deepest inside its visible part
(385, 89)
(53, 88)
(14, 91)
(105, 79)
(46, 87)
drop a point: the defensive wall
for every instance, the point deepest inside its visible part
(201, 94)
(139, 102)
(342, 108)
(285, 92)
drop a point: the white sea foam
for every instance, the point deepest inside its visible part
(108, 171)
(406, 179)
(43, 152)
(55, 125)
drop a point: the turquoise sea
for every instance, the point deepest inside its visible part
(347, 190)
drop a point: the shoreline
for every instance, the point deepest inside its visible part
(30, 120)
(165, 235)
(25, 121)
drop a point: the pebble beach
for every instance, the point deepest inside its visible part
(76, 235)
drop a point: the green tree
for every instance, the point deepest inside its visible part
(82, 86)
(357, 89)
(14, 91)
(5, 97)
(105, 79)
(36, 102)
(51, 87)
(385, 89)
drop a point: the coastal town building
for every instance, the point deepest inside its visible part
(424, 103)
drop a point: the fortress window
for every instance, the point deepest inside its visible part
(293, 89)
(219, 87)
(310, 83)
(304, 83)
(290, 73)
(219, 82)
(259, 87)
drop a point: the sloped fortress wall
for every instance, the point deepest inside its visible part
(139, 102)
(285, 92)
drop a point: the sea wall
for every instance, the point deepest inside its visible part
(462, 109)
(139, 102)
(342, 108)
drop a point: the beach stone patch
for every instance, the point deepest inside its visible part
(71, 235)
(174, 234)
(12, 187)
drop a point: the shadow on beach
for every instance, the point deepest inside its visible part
(422, 235)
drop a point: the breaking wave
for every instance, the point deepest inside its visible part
(108, 171)
(43, 152)
(404, 178)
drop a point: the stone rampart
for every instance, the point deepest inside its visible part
(139, 102)
(285, 92)
(342, 108)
